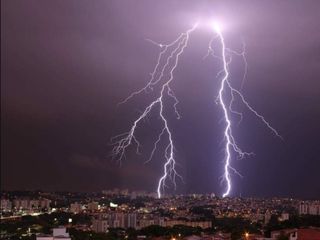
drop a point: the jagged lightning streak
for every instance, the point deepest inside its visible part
(227, 110)
(158, 76)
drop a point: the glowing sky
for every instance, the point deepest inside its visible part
(66, 65)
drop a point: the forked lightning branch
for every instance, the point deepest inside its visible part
(161, 78)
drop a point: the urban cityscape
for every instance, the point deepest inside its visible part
(160, 120)
(121, 214)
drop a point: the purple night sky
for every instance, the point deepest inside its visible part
(66, 64)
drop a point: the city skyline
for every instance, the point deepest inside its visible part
(65, 66)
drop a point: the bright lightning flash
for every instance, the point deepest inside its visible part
(162, 75)
(227, 107)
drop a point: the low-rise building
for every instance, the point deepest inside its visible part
(283, 217)
(58, 234)
(201, 224)
(93, 206)
(297, 234)
(75, 208)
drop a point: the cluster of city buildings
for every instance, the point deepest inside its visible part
(128, 193)
(124, 209)
(102, 222)
(290, 234)
(25, 205)
(182, 210)
(309, 207)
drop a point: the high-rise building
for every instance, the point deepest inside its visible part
(21, 204)
(100, 225)
(114, 220)
(131, 220)
(312, 208)
(31, 204)
(45, 203)
(6, 205)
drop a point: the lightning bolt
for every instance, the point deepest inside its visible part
(162, 75)
(227, 107)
